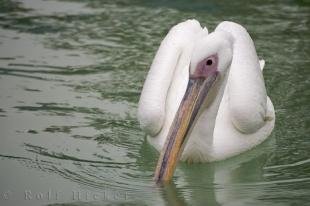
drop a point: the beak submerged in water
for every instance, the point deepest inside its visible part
(196, 93)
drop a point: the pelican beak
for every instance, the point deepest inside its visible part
(196, 92)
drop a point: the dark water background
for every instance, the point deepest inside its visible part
(71, 72)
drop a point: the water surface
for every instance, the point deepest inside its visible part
(71, 73)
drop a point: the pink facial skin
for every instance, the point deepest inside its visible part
(206, 67)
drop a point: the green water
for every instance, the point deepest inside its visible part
(71, 73)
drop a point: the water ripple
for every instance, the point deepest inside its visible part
(71, 73)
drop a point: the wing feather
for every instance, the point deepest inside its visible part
(152, 104)
(246, 87)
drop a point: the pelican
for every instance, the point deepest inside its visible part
(204, 97)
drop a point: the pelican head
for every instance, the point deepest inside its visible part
(209, 63)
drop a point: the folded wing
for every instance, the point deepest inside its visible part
(173, 52)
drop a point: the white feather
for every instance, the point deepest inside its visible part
(172, 55)
(262, 64)
(241, 115)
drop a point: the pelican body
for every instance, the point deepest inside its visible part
(204, 98)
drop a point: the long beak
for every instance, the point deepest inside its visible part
(196, 92)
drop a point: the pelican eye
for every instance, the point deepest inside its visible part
(209, 62)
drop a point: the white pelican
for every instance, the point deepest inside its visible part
(204, 98)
